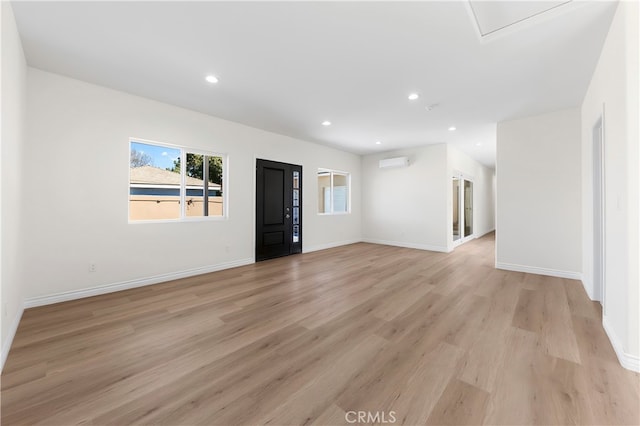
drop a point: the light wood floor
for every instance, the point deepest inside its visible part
(434, 338)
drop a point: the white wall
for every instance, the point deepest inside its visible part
(78, 157)
(13, 94)
(538, 175)
(614, 89)
(407, 206)
(483, 192)
(412, 206)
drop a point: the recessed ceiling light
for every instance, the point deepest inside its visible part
(326, 123)
(378, 143)
(452, 128)
(478, 143)
(211, 79)
(413, 96)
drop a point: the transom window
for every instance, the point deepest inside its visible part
(161, 188)
(333, 192)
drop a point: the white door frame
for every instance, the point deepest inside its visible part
(461, 207)
(599, 200)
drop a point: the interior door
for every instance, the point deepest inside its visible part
(278, 209)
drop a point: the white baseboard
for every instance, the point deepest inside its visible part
(125, 285)
(540, 271)
(485, 233)
(628, 361)
(428, 247)
(309, 249)
(6, 345)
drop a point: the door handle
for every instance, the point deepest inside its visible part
(287, 216)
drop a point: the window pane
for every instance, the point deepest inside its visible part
(468, 208)
(194, 196)
(324, 192)
(456, 209)
(196, 173)
(154, 182)
(340, 193)
(333, 192)
(215, 186)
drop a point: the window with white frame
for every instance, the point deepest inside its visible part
(161, 188)
(333, 192)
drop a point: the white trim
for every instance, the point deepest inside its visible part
(254, 207)
(628, 361)
(540, 271)
(599, 293)
(461, 178)
(125, 285)
(6, 345)
(442, 249)
(329, 245)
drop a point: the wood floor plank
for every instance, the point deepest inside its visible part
(484, 357)
(558, 336)
(592, 339)
(463, 334)
(309, 402)
(520, 395)
(399, 301)
(333, 415)
(392, 369)
(435, 338)
(203, 383)
(288, 376)
(614, 393)
(532, 281)
(579, 303)
(530, 311)
(494, 282)
(569, 393)
(460, 404)
(426, 384)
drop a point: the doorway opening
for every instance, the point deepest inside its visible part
(278, 209)
(598, 214)
(462, 209)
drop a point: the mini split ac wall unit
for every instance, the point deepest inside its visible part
(394, 162)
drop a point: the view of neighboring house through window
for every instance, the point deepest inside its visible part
(160, 188)
(201, 199)
(333, 191)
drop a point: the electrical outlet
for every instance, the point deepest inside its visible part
(92, 267)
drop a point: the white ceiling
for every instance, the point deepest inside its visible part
(287, 66)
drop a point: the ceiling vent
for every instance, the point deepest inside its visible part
(394, 162)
